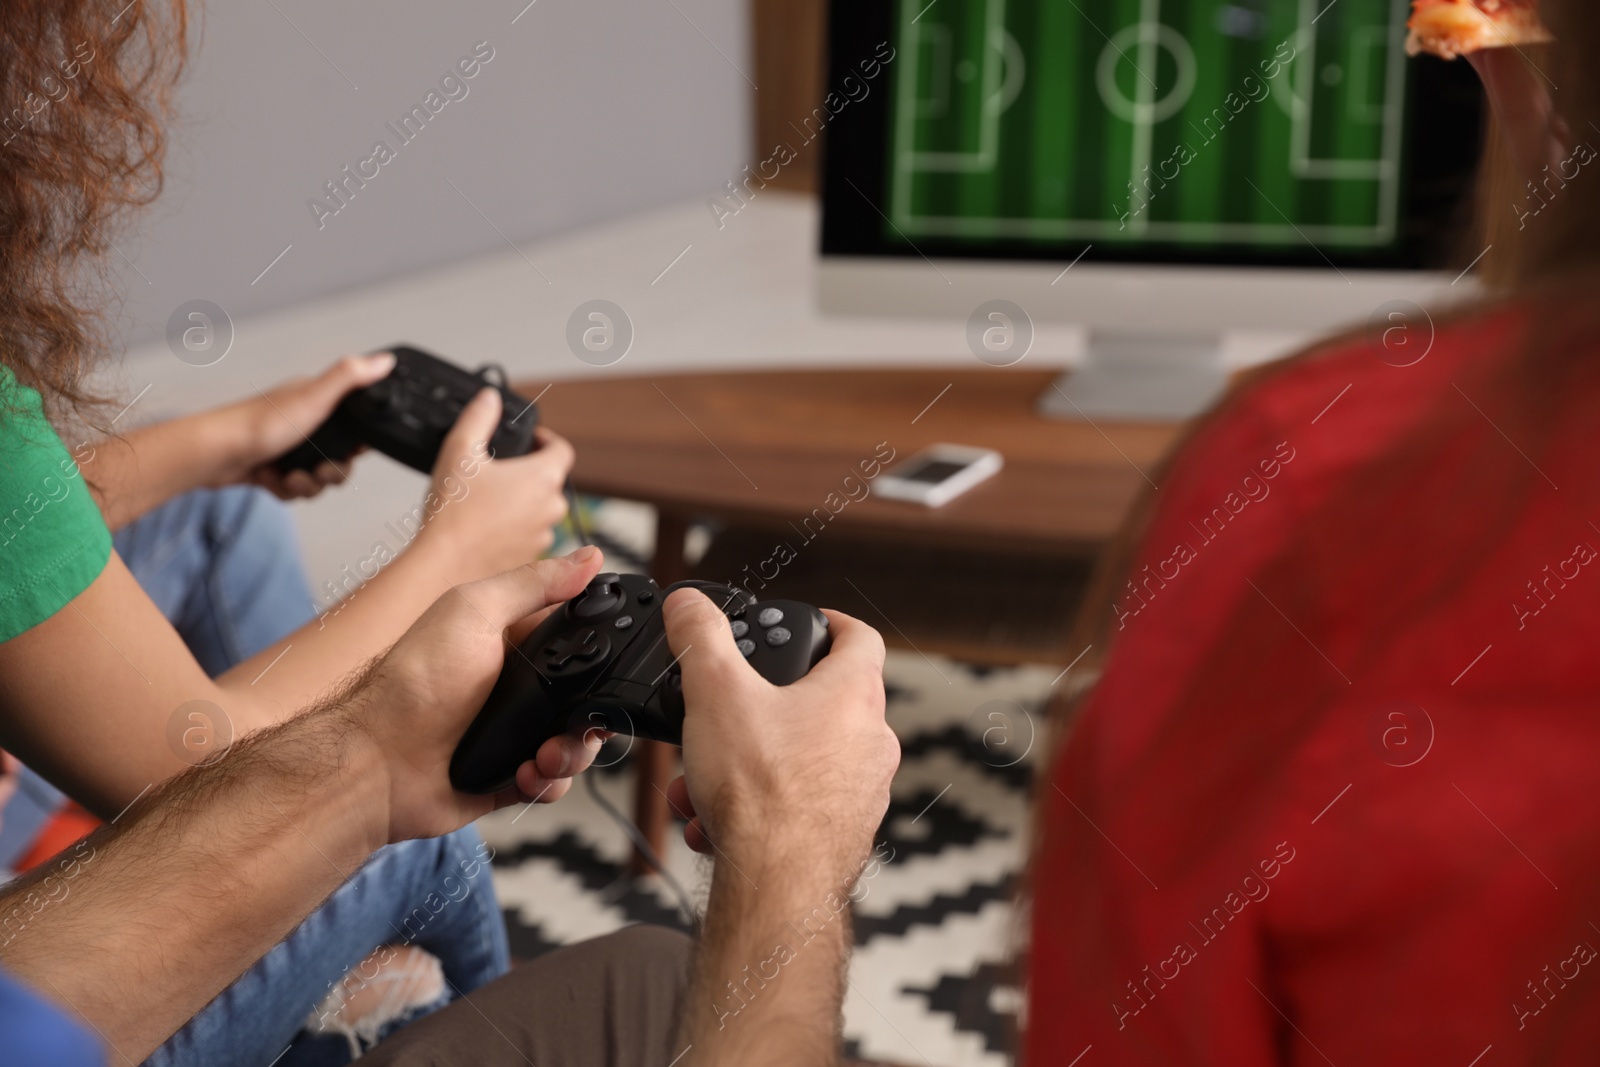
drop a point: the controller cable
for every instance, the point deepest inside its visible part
(685, 905)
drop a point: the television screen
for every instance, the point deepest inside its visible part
(1237, 131)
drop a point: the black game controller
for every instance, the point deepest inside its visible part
(407, 415)
(602, 661)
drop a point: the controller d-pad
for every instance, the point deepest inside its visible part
(575, 652)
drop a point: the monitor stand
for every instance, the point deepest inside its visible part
(1136, 378)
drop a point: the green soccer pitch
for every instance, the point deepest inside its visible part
(1264, 124)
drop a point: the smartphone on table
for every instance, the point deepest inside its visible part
(938, 474)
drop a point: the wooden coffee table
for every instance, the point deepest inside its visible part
(768, 456)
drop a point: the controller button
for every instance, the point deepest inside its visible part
(648, 596)
(675, 681)
(770, 616)
(747, 647)
(740, 627)
(778, 636)
(623, 622)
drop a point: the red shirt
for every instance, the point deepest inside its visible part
(1335, 798)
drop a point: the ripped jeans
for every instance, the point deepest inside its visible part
(223, 566)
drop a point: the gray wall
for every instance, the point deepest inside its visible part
(589, 109)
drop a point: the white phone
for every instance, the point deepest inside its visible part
(937, 475)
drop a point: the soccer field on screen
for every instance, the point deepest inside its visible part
(1266, 124)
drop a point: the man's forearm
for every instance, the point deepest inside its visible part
(139, 927)
(770, 971)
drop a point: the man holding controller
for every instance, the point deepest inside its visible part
(221, 862)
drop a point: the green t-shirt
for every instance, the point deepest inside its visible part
(53, 539)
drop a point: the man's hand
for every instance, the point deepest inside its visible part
(802, 768)
(218, 864)
(787, 784)
(420, 698)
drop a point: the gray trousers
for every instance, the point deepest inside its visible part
(615, 1001)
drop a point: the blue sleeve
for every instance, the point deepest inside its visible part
(35, 1031)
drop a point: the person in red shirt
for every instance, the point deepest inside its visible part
(1333, 798)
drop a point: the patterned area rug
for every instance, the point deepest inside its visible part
(935, 927)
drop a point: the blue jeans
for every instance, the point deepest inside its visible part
(434, 894)
(223, 566)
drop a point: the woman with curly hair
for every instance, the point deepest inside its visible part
(149, 585)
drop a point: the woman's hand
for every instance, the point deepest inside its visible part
(280, 419)
(490, 515)
(142, 469)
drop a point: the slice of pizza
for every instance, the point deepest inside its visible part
(1450, 28)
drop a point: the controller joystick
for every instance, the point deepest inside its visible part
(602, 595)
(603, 659)
(408, 414)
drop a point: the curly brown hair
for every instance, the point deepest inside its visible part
(85, 86)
